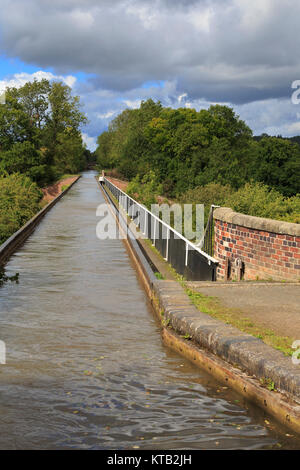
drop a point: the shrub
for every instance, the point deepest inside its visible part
(212, 193)
(146, 190)
(19, 201)
(259, 200)
(252, 199)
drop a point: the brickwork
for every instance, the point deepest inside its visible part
(262, 253)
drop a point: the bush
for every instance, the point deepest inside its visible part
(146, 190)
(212, 193)
(259, 200)
(19, 201)
(252, 199)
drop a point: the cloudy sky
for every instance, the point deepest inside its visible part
(192, 53)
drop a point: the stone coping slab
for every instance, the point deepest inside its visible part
(239, 349)
(226, 214)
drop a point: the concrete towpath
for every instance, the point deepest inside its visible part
(272, 305)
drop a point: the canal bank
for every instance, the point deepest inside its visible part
(254, 369)
(13, 243)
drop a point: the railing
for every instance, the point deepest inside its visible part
(207, 242)
(185, 257)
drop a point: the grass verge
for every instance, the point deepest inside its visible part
(213, 307)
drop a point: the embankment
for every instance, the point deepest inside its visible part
(54, 190)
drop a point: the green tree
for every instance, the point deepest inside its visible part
(146, 189)
(19, 201)
(65, 118)
(37, 124)
(261, 201)
(69, 155)
(277, 164)
(23, 157)
(104, 151)
(187, 149)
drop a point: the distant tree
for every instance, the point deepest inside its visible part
(104, 152)
(63, 123)
(69, 154)
(277, 164)
(37, 126)
(23, 157)
(186, 149)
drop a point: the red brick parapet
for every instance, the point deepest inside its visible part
(255, 248)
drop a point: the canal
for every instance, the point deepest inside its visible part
(86, 367)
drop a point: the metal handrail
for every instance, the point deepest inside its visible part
(188, 242)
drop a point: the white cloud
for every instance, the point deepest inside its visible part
(106, 115)
(182, 97)
(133, 104)
(19, 79)
(292, 129)
(89, 141)
(201, 19)
(201, 52)
(233, 50)
(82, 19)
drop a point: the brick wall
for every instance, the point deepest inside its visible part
(255, 247)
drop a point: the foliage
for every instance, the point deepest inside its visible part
(276, 163)
(146, 189)
(40, 140)
(19, 201)
(40, 131)
(69, 155)
(259, 200)
(187, 149)
(253, 199)
(62, 136)
(23, 157)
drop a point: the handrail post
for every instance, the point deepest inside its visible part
(167, 247)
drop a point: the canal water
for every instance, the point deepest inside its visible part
(86, 367)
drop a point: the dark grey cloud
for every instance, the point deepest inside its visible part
(219, 50)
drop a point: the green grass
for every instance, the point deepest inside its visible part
(213, 307)
(159, 276)
(269, 384)
(64, 177)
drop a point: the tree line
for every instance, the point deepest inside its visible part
(185, 150)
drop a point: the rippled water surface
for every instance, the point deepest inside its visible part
(85, 364)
